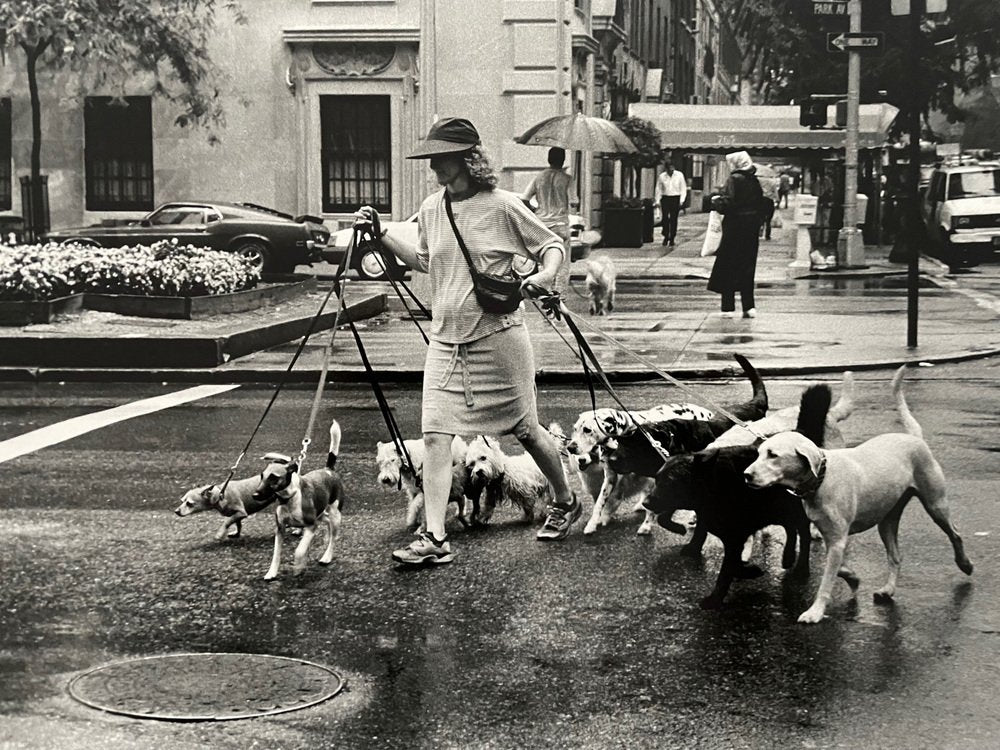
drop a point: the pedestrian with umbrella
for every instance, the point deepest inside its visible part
(555, 192)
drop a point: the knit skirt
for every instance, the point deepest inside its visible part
(485, 387)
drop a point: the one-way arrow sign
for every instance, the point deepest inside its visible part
(865, 42)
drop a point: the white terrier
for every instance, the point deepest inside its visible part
(514, 478)
(601, 281)
(392, 473)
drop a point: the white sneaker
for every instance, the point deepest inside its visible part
(727, 314)
(751, 313)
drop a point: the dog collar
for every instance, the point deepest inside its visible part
(808, 490)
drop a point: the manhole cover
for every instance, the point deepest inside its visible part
(205, 687)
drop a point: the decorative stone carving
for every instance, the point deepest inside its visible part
(353, 59)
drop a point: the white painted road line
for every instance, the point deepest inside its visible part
(71, 428)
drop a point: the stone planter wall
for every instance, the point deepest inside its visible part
(18, 313)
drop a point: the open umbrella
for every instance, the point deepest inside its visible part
(578, 132)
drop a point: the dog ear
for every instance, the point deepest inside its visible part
(293, 468)
(813, 457)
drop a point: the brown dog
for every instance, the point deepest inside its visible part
(239, 503)
(303, 502)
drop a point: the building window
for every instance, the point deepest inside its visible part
(356, 153)
(118, 148)
(5, 156)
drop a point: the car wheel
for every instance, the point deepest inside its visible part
(85, 241)
(256, 253)
(371, 266)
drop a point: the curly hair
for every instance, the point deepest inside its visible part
(480, 170)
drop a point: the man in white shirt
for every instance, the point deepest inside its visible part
(671, 192)
(555, 192)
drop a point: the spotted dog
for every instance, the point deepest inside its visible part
(595, 432)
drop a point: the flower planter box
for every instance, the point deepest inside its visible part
(623, 227)
(22, 313)
(275, 289)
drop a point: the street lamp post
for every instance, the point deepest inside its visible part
(850, 238)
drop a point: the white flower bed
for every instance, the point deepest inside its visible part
(164, 269)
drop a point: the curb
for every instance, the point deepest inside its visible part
(551, 377)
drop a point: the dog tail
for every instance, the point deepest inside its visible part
(909, 423)
(845, 404)
(759, 398)
(331, 456)
(814, 406)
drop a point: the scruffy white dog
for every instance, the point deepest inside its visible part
(601, 282)
(512, 478)
(392, 474)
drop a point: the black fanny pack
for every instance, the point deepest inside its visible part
(498, 294)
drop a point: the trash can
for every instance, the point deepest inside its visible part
(648, 221)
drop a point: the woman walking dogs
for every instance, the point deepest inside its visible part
(740, 204)
(479, 375)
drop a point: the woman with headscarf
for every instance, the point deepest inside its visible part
(736, 259)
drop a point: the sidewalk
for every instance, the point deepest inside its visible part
(808, 322)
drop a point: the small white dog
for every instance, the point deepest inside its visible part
(601, 282)
(848, 491)
(392, 474)
(513, 478)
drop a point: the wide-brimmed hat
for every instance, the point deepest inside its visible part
(739, 161)
(449, 135)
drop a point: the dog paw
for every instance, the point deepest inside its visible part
(589, 529)
(747, 572)
(711, 602)
(644, 530)
(882, 596)
(811, 616)
(691, 550)
(965, 566)
(270, 576)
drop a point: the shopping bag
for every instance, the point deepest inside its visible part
(713, 234)
(776, 221)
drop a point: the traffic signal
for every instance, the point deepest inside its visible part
(812, 113)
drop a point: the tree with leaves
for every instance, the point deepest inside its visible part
(785, 57)
(106, 43)
(649, 151)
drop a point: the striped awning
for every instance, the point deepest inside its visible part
(714, 128)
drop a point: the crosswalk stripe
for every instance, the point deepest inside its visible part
(71, 428)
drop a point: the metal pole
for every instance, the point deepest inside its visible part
(917, 8)
(853, 243)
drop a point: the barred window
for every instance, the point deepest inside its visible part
(5, 156)
(356, 152)
(118, 138)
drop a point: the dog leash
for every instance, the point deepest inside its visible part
(552, 306)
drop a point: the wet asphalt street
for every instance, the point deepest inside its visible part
(592, 642)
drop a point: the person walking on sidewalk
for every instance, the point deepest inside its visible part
(555, 191)
(736, 259)
(670, 193)
(784, 188)
(479, 374)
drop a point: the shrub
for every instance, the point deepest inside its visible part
(40, 272)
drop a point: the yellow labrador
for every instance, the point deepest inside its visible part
(850, 490)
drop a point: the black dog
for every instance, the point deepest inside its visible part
(635, 455)
(711, 483)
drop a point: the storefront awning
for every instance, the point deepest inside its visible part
(715, 128)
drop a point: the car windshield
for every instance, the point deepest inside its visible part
(178, 215)
(974, 184)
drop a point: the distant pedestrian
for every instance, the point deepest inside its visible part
(784, 188)
(736, 259)
(671, 192)
(555, 191)
(479, 375)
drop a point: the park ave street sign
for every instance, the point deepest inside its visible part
(865, 42)
(830, 8)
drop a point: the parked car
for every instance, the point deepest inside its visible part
(368, 262)
(961, 209)
(273, 241)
